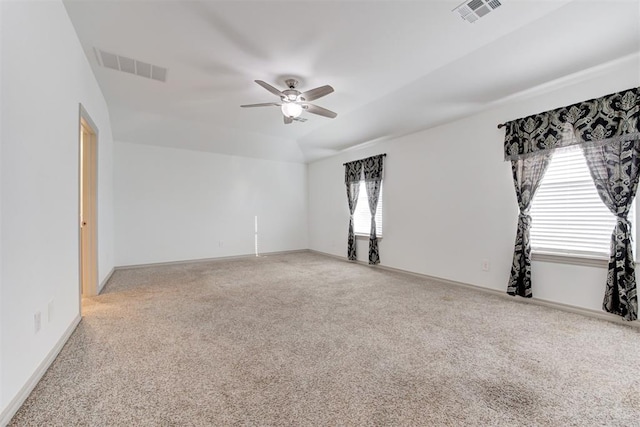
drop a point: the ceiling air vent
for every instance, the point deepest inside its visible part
(473, 10)
(131, 66)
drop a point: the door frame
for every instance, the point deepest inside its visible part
(88, 289)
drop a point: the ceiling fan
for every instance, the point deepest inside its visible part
(293, 102)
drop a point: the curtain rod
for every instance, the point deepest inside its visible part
(383, 155)
(501, 125)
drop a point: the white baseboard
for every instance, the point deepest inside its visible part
(503, 294)
(27, 388)
(106, 279)
(225, 258)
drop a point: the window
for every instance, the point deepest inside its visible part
(568, 217)
(362, 215)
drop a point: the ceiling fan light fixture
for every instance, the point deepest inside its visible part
(291, 109)
(293, 102)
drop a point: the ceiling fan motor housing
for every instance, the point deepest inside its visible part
(291, 95)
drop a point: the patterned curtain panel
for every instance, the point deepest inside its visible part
(373, 172)
(615, 172)
(608, 130)
(352, 178)
(611, 118)
(527, 175)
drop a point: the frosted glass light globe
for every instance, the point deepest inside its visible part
(291, 109)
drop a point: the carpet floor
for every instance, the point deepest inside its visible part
(306, 340)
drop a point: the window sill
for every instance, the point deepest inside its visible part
(583, 260)
(365, 236)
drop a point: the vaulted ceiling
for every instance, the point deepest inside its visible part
(397, 66)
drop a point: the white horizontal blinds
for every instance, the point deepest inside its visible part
(568, 216)
(362, 215)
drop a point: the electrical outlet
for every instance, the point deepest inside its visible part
(50, 311)
(485, 265)
(37, 322)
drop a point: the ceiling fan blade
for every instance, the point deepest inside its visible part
(319, 111)
(316, 93)
(270, 88)
(288, 120)
(264, 104)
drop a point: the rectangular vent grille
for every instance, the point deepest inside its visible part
(473, 10)
(475, 4)
(131, 66)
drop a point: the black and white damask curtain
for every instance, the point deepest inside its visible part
(615, 172)
(352, 178)
(527, 176)
(373, 170)
(608, 130)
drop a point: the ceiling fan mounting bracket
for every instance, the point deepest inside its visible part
(291, 83)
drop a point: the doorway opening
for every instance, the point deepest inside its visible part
(88, 217)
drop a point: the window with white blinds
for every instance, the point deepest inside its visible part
(362, 215)
(567, 214)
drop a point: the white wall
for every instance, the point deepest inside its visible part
(173, 204)
(105, 202)
(45, 77)
(2, 405)
(449, 198)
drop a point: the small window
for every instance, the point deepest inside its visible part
(362, 215)
(568, 217)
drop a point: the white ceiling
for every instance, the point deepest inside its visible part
(397, 66)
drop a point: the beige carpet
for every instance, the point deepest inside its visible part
(304, 339)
